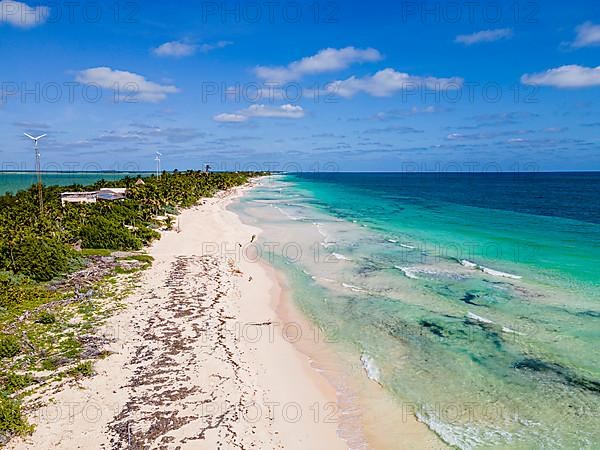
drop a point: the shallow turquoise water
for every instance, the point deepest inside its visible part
(16, 181)
(478, 311)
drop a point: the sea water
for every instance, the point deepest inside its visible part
(472, 300)
(17, 181)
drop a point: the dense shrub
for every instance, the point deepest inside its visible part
(39, 257)
(40, 244)
(18, 293)
(46, 318)
(100, 232)
(147, 235)
(9, 346)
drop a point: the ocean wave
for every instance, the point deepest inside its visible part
(340, 257)
(373, 372)
(465, 436)
(415, 273)
(496, 273)
(457, 436)
(408, 272)
(353, 288)
(328, 280)
(508, 330)
(288, 215)
(483, 320)
(480, 319)
(393, 241)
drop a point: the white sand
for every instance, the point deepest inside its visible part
(201, 360)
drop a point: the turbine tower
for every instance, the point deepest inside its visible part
(38, 169)
(157, 159)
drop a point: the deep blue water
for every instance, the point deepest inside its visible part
(572, 195)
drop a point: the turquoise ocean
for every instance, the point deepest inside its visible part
(16, 181)
(473, 300)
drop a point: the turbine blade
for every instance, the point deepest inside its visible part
(29, 136)
(39, 137)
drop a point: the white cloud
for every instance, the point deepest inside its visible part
(387, 82)
(231, 118)
(284, 111)
(484, 36)
(572, 76)
(205, 48)
(588, 35)
(263, 111)
(175, 49)
(127, 83)
(179, 49)
(22, 15)
(326, 60)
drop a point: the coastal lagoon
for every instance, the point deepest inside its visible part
(472, 300)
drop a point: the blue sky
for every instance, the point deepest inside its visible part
(309, 85)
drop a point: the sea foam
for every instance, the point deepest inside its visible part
(496, 273)
(371, 368)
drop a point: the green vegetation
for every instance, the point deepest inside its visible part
(42, 245)
(9, 346)
(12, 420)
(84, 369)
(46, 323)
(46, 318)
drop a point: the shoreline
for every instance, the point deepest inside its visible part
(232, 370)
(180, 374)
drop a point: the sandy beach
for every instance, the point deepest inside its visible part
(200, 358)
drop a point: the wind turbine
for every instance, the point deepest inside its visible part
(157, 159)
(38, 168)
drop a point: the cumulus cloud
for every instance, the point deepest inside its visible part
(484, 36)
(263, 111)
(326, 60)
(572, 76)
(22, 15)
(130, 85)
(588, 35)
(175, 49)
(387, 82)
(180, 49)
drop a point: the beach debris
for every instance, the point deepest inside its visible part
(233, 268)
(187, 331)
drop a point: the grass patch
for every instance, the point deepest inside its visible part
(83, 369)
(13, 382)
(46, 318)
(9, 346)
(96, 252)
(141, 258)
(50, 364)
(12, 420)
